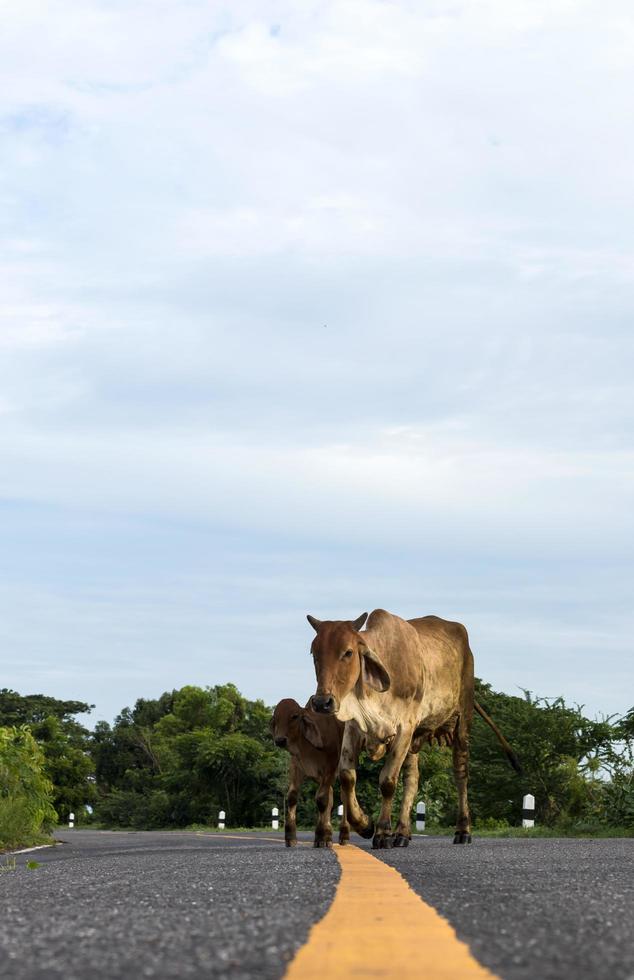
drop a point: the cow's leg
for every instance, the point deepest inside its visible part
(295, 779)
(461, 776)
(344, 826)
(403, 834)
(387, 784)
(323, 799)
(359, 821)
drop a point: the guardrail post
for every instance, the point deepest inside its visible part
(528, 810)
(71, 820)
(275, 824)
(221, 820)
(420, 815)
(340, 811)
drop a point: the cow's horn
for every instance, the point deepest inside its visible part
(315, 623)
(358, 623)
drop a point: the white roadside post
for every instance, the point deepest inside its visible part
(528, 811)
(420, 815)
(71, 820)
(340, 811)
(221, 820)
(275, 824)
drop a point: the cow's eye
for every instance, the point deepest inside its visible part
(294, 717)
(347, 655)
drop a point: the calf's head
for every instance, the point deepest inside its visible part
(343, 664)
(290, 722)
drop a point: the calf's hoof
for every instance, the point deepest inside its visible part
(381, 842)
(344, 839)
(291, 843)
(400, 841)
(462, 837)
(322, 843)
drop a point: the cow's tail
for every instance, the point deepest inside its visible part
(510, 754)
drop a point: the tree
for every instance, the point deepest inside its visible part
(26, 810)
(183, 758)
(65, 744)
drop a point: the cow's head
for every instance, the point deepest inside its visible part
(289, 721)
(343, 663)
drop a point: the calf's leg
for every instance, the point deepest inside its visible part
(403, 834)
(344, 826)
(295, 780)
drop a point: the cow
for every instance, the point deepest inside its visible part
(314, 742)
(398, 683)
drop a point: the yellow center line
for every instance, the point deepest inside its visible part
(377, 926)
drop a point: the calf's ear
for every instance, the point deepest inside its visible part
(373, 672)
(310, 731)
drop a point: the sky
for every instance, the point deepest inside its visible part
(314, 308)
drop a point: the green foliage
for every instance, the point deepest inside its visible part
(181, 759)
(65, 743)
(26, 810)
(567, 762)
(618, 801)
(142, 811)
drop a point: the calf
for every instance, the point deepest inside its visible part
(314, 742)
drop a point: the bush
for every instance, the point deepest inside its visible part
(127, 808)
(491, 823)
(619, 800)
(26, 810)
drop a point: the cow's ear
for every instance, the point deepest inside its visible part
(358, 623)
(374, 673)
(315, 623)
(310, 731)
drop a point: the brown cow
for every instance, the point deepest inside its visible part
(399, 683)
(314, 742)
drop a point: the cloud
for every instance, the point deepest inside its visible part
(344, 288)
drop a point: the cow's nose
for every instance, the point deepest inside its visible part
(323, 703)
(280, 741)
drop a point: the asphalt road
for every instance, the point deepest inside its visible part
(541, 909)
(108, 906)
(122, 906)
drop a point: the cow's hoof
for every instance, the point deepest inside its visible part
(400, 841)
(291, 843)
(344, 839)
(462, 837)
(322, 843)
(368, 832)
(380, 843)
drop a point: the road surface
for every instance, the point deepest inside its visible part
(108, 906)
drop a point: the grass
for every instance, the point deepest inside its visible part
(195, 827)
(432, 830)
(526, 833)
(17, 842)
(20, 826)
